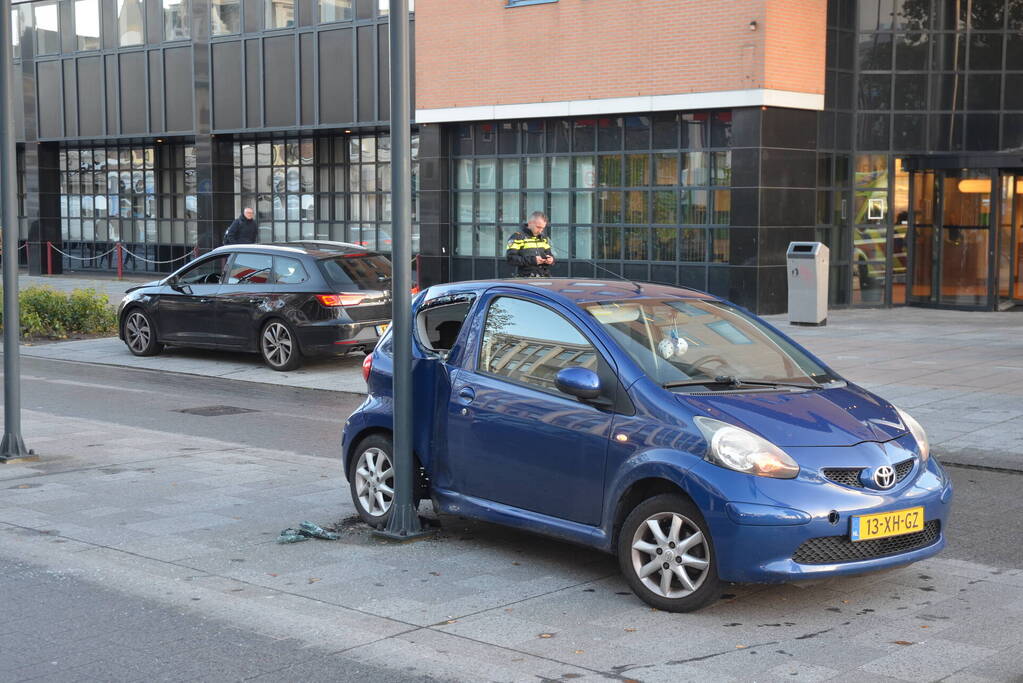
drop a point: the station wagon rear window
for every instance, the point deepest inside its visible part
(357, 271)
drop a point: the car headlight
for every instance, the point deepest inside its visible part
(743, 451)
(922, 444)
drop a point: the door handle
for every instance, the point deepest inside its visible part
(467, 394)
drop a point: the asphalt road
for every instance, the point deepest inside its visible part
(985, 525)
(301, 420)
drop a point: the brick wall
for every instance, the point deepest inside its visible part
(478, 52)
(794, 33)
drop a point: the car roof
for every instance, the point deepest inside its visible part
(316, 248)
(578, 290)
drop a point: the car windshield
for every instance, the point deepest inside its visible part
(680, 342)
(359, 271)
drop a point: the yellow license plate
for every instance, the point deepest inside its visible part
(381, 329)
(885, 524)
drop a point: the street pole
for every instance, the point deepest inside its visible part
(12, 446)
(403, 524)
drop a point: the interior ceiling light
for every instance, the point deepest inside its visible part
(975, 185)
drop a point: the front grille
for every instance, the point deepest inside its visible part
(850, 476)
(902, 469)
(834, 549)
(846, 476)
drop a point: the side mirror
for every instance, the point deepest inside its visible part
(579, 382)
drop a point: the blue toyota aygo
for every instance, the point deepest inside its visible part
(667, 426)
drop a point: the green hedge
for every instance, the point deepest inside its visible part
(45, 312)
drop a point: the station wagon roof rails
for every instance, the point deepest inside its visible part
(327, 245)
(275, 247)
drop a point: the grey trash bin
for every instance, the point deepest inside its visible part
(808, 283)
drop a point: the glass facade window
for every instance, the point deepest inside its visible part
(335, 10)
(142, 197)
(87, 34)
(911, 77)
(175, 20)
(47, 24)
(870, 231)
(330, 188)
(635, 193)
(280, 13)
(276, 179)
(384, 7)
(225, 17)
(130, 23)
(17, 26)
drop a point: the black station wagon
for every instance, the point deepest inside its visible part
(283, 301)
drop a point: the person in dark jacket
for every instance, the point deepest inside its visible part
(530, 251)
(243, 230)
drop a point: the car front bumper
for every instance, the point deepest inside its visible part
(808, 536)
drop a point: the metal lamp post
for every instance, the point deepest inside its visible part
(12, 446)
(403, 523)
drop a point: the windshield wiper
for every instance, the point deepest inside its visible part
(731, 381)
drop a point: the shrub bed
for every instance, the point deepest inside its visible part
(47, 313)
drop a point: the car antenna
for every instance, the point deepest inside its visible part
(639, 288)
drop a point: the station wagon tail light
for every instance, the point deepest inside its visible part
(743, 451)
(333, 300)
(367, 366)
(922, 443)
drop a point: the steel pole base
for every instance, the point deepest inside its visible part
(12, 449)
(403, 526)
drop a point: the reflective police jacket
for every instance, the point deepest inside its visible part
(523, 248)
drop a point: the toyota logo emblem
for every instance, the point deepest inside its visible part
(884, 477)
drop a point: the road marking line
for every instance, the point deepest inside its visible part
(88, 385)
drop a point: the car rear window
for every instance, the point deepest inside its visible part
(357, 271)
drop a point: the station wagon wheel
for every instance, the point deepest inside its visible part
(140, 334)
(372, 480)
(279, 346)
(666, 554)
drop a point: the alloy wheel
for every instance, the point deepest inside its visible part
(277, 344)
(670, 555)
(374, 481)
(138, 331)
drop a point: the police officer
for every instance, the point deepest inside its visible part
(530, 251)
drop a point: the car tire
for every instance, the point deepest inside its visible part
(651, 561)
(278, 345)
(139, 333)
(371, 479)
